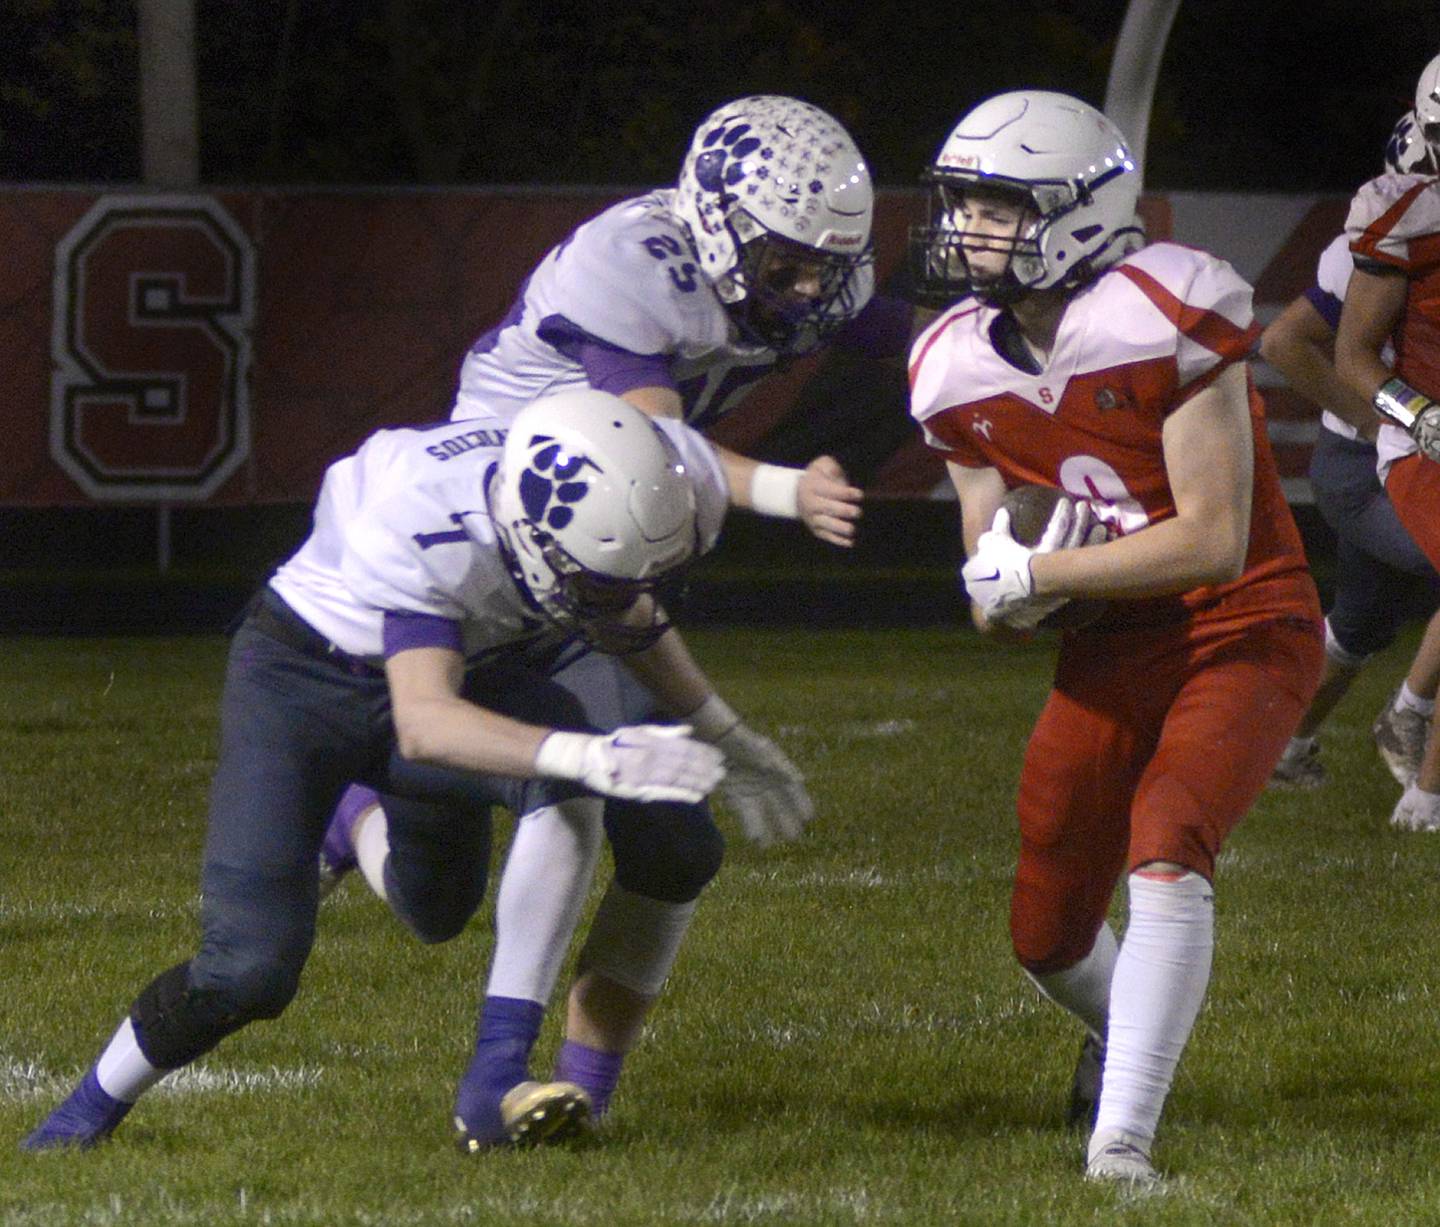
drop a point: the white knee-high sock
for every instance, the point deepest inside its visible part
(542, 892)
(634, 940)
(1161, 974)
(122, 1070)
(1084, 989)
(370, 837)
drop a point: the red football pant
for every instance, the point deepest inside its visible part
(1413, 485)
(1152, 747)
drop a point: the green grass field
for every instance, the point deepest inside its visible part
(846, 1039)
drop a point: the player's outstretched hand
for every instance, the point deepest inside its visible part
(638, 762)
(763, 787)
(829, 504)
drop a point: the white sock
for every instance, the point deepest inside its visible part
(1084, 989)
(370, 837)
(1161, 974)
(634, 940)
(542, 892)
(122, 1070)
(1407, 699)
(1338, 654)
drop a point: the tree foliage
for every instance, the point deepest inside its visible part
(608, 91)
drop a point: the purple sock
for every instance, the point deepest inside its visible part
(338, 849)
(596, 1071)
(508, 1028)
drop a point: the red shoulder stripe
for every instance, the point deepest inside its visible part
(1203, 326)
(935, 336)
(1368, 244)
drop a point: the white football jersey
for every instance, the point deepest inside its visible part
(402, 525)
(1394, 220)
(629, 280)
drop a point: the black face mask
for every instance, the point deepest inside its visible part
(796, 297)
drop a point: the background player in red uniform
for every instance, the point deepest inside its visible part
(1394, 299)
(1380, 573)
(1075, 357)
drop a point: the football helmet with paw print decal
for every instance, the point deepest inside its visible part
(594, 509)
(779, 203)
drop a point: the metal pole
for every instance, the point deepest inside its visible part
(1134, 69)
(170, 130)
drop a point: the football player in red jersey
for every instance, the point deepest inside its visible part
(1394, 298)
(1075, 356)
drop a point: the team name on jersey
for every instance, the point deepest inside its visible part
(467, 441)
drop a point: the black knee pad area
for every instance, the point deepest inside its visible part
(664, 850)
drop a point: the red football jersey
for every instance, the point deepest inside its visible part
(1395, 221)
(1132, 346)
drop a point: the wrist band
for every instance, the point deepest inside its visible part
(561, 756)
(775, 491)
(1396, 401)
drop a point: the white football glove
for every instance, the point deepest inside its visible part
(1417, 810)
(997, 576)
(763, 787)
(637, 762)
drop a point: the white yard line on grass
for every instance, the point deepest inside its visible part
(28, 1082)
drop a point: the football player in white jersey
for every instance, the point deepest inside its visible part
(1380, 571)
(1078, 359)
(392, 648)
(677, 300)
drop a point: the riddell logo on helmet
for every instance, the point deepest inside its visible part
(967, 161)
(842, 239)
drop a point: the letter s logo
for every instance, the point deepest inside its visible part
(154, 301)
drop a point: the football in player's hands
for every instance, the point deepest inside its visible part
(1030, 509)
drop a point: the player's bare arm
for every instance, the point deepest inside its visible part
(980, 492)
(1300, 344)
(1209, 458)
(819, 494)
(669, 672)
(434, 724)
(1374, 303)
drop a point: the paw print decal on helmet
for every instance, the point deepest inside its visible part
(720, 164)
(551, 484)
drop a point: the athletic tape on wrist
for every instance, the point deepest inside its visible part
(1396, 401)
(775, 491)
(562, 756)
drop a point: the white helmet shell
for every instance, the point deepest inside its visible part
(771, 169)
(591, 498)
(1073, 164)
(1406, 152)
(1427, 103)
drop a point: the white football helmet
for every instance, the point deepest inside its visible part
(1060, 158)
(779, 203)
(1427, 103)
(1407, 152)
(593, 508)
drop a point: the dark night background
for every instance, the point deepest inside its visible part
(1252, 95)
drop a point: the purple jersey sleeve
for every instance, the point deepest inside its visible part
(881, 330)
(608, 368)
(402, 631)
(1326, 305)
